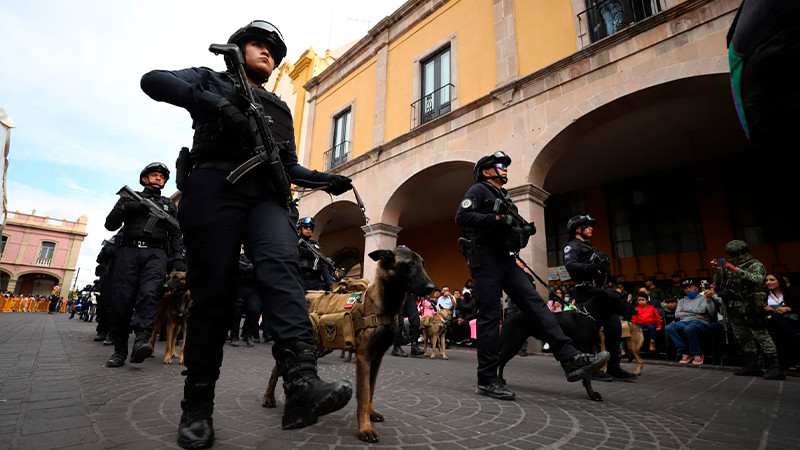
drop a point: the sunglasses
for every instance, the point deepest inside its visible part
(500, 166)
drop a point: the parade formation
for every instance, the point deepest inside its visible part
(231, 245)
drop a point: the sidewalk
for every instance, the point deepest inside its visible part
(56, 393)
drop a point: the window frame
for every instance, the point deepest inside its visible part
(43, 260)
(451, 43)
(348, 108)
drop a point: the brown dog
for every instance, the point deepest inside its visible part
(172, 312)
(399, 271)
(632, 339)
(435, 328)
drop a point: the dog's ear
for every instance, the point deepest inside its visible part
(385, 256)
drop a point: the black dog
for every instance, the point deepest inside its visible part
(582, 327)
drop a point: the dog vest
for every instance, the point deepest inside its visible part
(337, 316)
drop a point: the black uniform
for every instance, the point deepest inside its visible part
(217, 217)
(316, 274)
(140, 263)
(590, 268)
(105, 273)
(409, 309)
(494, 270)
(248, 302)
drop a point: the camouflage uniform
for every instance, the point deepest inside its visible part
(743, 289)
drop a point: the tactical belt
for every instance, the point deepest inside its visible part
(224, 166)
(372, 321)
(139, 243)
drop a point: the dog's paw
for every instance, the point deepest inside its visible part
(368, 435)
(375, 416)
(595, 396)
(444, 357)
(168, 360)
(268, 402)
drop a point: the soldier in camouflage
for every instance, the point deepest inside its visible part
(740, 282)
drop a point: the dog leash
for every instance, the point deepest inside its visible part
(544, 283)
(366, 219)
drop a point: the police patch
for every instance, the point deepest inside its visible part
(567, 249)
(466, 203)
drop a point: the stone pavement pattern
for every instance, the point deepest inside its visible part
(55, 393)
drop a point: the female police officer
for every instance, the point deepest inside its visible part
(490, 236)
(217, 217)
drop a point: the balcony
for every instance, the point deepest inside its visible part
(43, 261)
(431, 106)
(337, 155)
(606, 17)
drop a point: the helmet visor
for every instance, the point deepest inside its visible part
(265, 26)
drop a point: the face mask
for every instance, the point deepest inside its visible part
(691, 294)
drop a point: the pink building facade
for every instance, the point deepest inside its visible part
(39, 253)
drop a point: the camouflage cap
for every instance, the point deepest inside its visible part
(736, 247)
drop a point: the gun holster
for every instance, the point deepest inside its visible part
(470, 251)
(182, 168)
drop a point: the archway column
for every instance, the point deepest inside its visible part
(386, 236)
(530, 202)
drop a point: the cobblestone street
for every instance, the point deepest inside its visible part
(56, 393)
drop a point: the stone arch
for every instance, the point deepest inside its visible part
(571, 132)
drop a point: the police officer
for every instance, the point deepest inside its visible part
(317, 274)
(590, 268)
(105, 271)
(491, 235)
(140, 265)
(247, 302)
(409, 310)
(218, 216)
(739, 279)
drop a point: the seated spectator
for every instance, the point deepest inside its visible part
(445, 300)
(465, 313)
(647, 318)
(783, 306)
(693, 312)
(554, 305)
(427, 306)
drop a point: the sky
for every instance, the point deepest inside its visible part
(69, 79)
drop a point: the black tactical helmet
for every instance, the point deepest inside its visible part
(154, 167)
(736, 247)
(262, 31)
(579, 221)
(489, 161)
(306, 222)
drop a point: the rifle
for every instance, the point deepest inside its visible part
(318, 254)
(156, 213)
(266, 151)
(502, 207)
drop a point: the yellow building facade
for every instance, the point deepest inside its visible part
(602, 111)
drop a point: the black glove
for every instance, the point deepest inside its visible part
(339, 185)
(508, 220)
(132, 206)
(234, 119)
(179, 265)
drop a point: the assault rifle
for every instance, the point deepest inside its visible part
(317, 253)
(502, 207)
(265, 151)
(156, 212)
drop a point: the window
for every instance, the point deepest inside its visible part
(560, 208)
(46, 253)
(3, 245)
(436, 84)
(340, 151)
(607, 17)
(647, 219)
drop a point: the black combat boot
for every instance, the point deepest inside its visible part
(141, 346)
(307, 397)
(584, 364)
(616, 372)
(495, 390)
(774, 371)
(601, 375)
(751, 367)
(415, 350)
(398, 351)
(120, 351)
(196, 429)
(100, 337)
(248, 341)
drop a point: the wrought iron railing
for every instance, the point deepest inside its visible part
(606, 17)
(336, 155)
(43, 261)
(431, 105)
